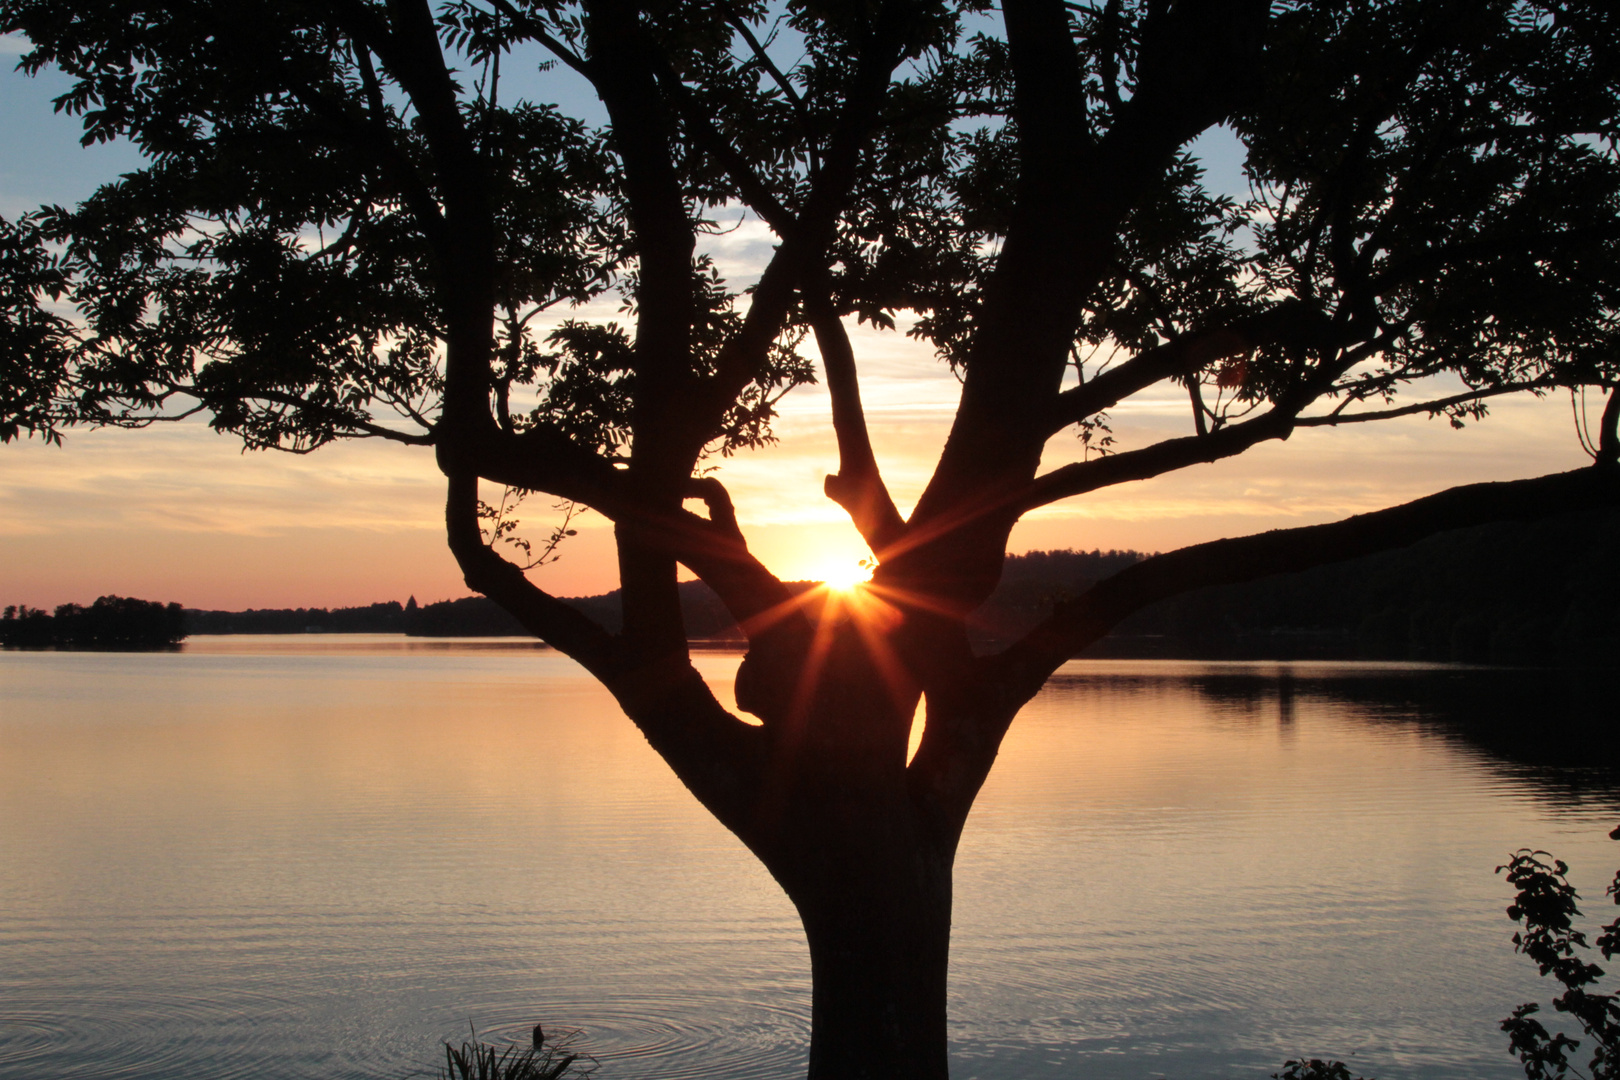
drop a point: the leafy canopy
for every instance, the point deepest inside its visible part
(1433, 189)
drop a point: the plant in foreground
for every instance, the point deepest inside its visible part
(1314, 1069)
(546, 1059)
(1547, 905)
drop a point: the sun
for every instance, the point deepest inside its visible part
(843, 575)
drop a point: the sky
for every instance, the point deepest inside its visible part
(180, 513)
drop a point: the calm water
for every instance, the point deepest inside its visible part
(318, 857)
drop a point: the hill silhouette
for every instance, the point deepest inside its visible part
(1504, 594)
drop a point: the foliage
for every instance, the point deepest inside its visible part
(271, 263)
(31, 337)
(1547, 905)
(112, 622)
(1426, 187)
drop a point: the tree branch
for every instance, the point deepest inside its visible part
(963, 735)
(716, 552)
(1433, 408)
(543, 615)
(336, 416)
(541, 458)
(1195, 65)
(1083, 476)
(1294, 325)
(715, 754)
(783, 83)
(858, 485)
(750, 186)
(741, 358)
(373, 135)
(538, 32)
(667, 436)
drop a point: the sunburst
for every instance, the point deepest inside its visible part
(843, 575)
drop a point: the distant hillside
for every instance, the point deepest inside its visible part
(1508, 593)
(384, 618)
(1032, 583)
(474, 616)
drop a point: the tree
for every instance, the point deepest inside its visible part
(345, 230)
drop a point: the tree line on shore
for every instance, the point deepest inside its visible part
(112, 622)
(1507, 594)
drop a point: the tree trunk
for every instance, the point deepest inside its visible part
(838, 828)
(879, 939)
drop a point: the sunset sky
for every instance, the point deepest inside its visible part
(180, 513)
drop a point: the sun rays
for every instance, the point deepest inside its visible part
(843, 575)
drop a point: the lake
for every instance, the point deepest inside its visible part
(302, 857)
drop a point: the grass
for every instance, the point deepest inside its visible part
(546, 1059)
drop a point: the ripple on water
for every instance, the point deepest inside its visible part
(117, 1038)
(667, 1036)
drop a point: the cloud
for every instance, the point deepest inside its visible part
(189, 478)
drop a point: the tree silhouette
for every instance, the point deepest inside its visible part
(345, 229)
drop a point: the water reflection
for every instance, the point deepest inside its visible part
(314, 857)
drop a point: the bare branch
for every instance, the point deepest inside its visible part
(542, 458)
(1432, 408)
(714, 753)
(552, 621)
(716, 552)
(1291, 324)
(858, 485)
(1083, 476)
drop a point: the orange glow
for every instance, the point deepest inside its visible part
(842, 575)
